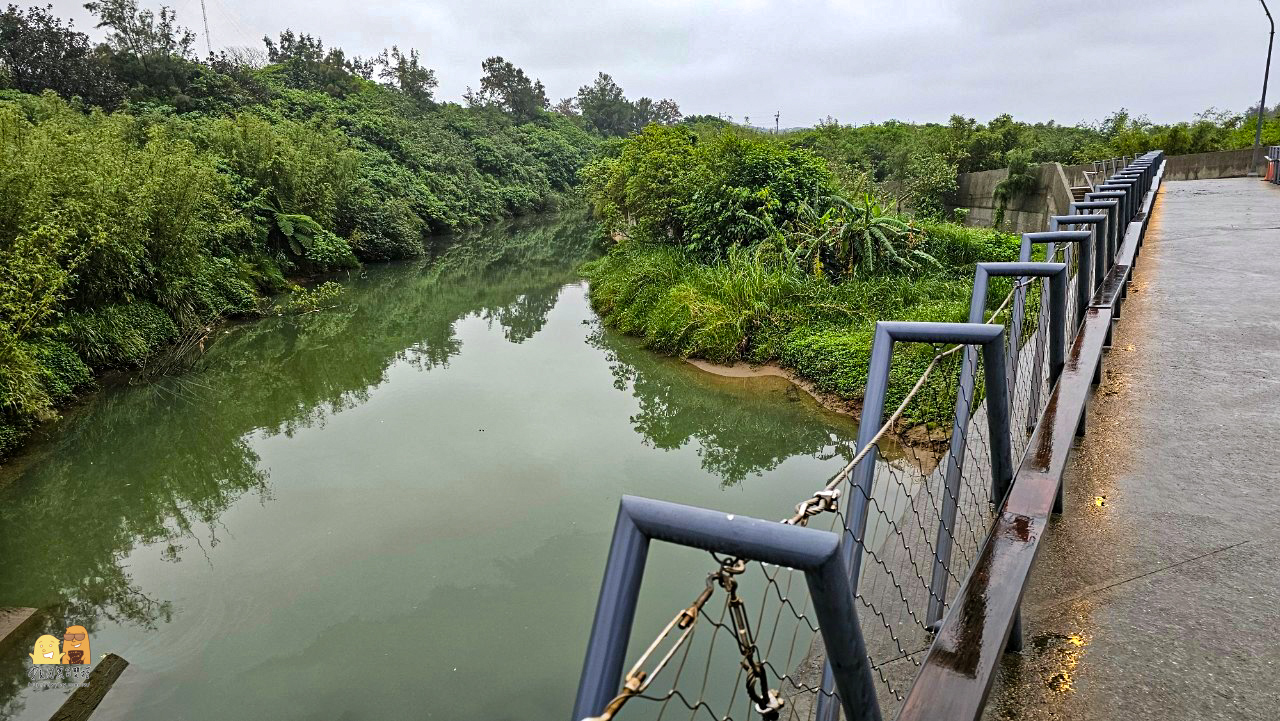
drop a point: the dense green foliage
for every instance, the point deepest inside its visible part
(725, 191)
(914, 165)
(739, 246)
(752, 308)
(145, 193)
(888, 150)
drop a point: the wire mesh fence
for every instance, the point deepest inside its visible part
(706, 679)
(1030, 378)
(917, 520)
(917, 525)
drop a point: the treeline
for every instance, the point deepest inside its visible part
(916, 163)
(734, 243)
(145, 191)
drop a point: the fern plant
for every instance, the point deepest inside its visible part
(299, 231)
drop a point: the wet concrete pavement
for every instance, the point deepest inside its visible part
(1155, 595)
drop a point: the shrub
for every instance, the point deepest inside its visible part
(310, 300)
(62, 372)
(221, 289)
(329, 252)
(837, 360)
(115, 336)
(958, 248)
(706, 196)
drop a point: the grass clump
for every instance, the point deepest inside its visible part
(755, 305)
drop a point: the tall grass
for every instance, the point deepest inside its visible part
(758, 308)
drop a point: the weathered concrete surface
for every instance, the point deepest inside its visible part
(976, 192)
(1156, 592)
(1195, 166)
(1222, 164)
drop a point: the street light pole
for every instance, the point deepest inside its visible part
(1262, 106)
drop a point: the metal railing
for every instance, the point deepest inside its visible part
(894, 586)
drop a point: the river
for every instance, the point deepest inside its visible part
(399, 506)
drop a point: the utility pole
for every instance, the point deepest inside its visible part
(208, 44)
(776, 115)
(1262, 105)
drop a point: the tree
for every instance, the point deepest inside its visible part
(663, 112)
(406, 73)
(567, 107)
(142, 33)
(152, 55)
(642, 114)
(926, 180)
(37, 52)
(605, 108)
(306, 65)
(507, 87)
(666, 112)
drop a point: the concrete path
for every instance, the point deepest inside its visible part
(1156, 594)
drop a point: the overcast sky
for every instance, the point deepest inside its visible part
(859, 61)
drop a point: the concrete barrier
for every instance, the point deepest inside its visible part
(1224, 164)
(1195, 166)
(976, 191)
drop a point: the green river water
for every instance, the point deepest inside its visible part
(398, 507)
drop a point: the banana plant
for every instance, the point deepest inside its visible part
(847, 238)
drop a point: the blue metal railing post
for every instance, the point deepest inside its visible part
(1057, 275)
(991, 339)
(1117, 197)
(1111, 211)
(1098, 228)
(1084, 284)
(615, 613)
(817, 553)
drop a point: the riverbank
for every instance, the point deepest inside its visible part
(776, 319)
(139, 342)
(830, 401)
(922, 443)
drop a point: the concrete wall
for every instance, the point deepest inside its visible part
(1223, 164)
(976, 191)
(1197, 166)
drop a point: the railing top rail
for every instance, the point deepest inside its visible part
(956, 675)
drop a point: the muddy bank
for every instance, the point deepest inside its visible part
(920, 444)
(830, 401)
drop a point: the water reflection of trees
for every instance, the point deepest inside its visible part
(160, 463)
(742, 427)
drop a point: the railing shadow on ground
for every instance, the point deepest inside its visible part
(859, 619)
